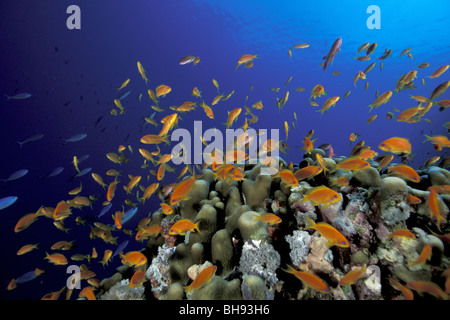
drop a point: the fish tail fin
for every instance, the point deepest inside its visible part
(428, 138)
(256, 217)
(309, 224)
(289, 269)
(187, 288)
(8, 97)
(196, 227)
(20, 144)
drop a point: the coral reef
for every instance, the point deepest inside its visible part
(250, 254)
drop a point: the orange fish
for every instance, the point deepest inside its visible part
(145, 232)
(396, 145)
(181, 190)
(367, 154)
(423, 257)
(161, 172)
(321, 162)
(340, 182)
(182, 226)
(410, 199)
(269, 218)
(445, 188)
(137, 279)
(111, 190)
(441, 141)
(385, 162)
(402, 233)
(405, 172)
(382, 99)
(149, 191)
(317, 91)
(207, 110)
(245, 59)
(333, 236)
(162, 90)
(353, 137)
(87, 293)
(166, 209)
(133, 258)
(409, 113)
(98, 179)
(202, 279)
(118, 216)
(310, 280)
(352, 276)
(321, 195)
(12, 285)
(372, 118)
(232, 116)
(62, 245)
(196, 93)
(287, 177)
(106, 257)
(439, 71)
(434, 208)
(26, 248)
(307, 172)
(62, 210)
(56, 258)
(409, 295)
(328, 104)
(352, 164)
(154, 139)
(308, 145)
(94, 253)
(428, 287)
(132, 183)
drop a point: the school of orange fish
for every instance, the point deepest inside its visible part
(223, 166)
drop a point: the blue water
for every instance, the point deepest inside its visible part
(73, 75)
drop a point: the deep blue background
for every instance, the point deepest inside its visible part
(73, 75)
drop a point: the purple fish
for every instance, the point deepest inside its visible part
(335, 48)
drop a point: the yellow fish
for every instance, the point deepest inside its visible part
(142, 72)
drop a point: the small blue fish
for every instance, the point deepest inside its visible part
(19, 96)
(129, 214)
(120, 248)
(6, 202)
(31, 275)
(124, 95)
(76, 138)
(32, 138)
(83, 158)
(55, 172)
(16, 175)
(83, 172)
(105, 210)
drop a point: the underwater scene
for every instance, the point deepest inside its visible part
(225, 150)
